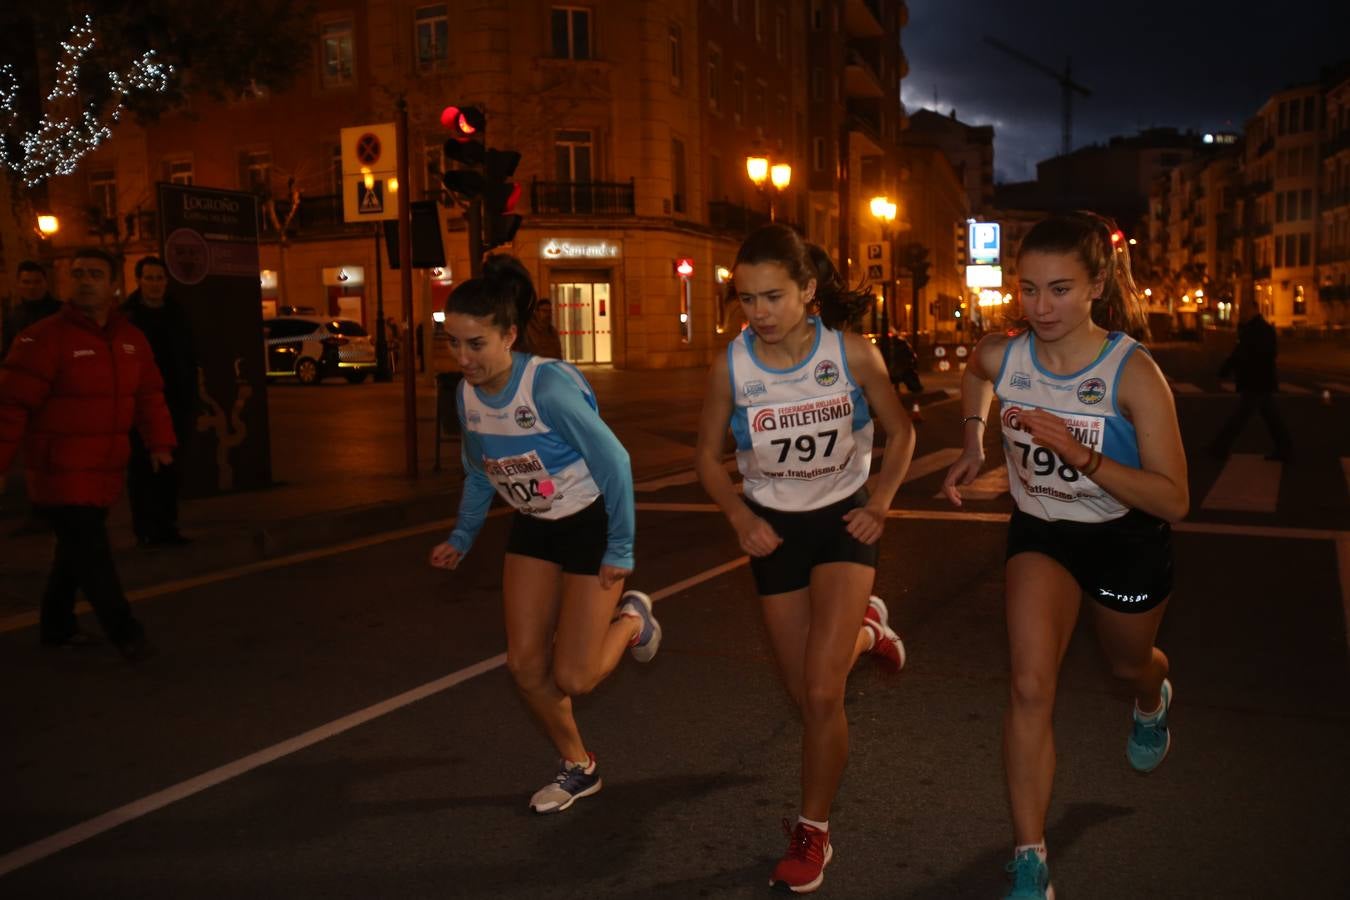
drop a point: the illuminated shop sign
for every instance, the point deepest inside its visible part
(578, 248)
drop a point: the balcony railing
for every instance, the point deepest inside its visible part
(583, 198)
(1261, 229)
(318, 213)
(726, 216)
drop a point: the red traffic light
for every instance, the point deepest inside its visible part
(1117, 237)
(684, 267)
(463, 122)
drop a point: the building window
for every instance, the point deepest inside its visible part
(1305, 249)
(337, 53)
(676, 57)
(178, 171)
(779, 35)
(1300, 301)
(1310, 113)
(738, 93)
(572, 152)
(818, 154)
(571, 33)
(1279, 253)
(758, 104)
(715, 177)
(103, 196)
(255, 168)
(1306, 204)
(817, 14)
(432, 32)
(714, 79)
(678, 187)
(1279, 207)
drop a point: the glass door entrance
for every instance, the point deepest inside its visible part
(581, 313)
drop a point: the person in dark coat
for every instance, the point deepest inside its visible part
(1252, 367)
(154, 489)
(32, 302)
(70, 390)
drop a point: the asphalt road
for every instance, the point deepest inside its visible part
(424, 795)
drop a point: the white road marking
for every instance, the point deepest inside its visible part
(23, 856)
(1228, 387)
(1343, 563)
(1335, 386)
(932, 462)
(1247, 483)
(1293, 389)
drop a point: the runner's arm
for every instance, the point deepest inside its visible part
(477, 493)
(869, 370)
(565, 406)
(712, 434)
(977, 392)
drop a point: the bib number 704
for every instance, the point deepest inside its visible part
(805, 445)
(1043, 461)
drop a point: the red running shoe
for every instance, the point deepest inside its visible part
(887, 645)
(802, 868)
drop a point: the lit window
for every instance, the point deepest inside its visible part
(337, 54)
(432, 33)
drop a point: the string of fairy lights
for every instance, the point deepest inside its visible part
(71, 129)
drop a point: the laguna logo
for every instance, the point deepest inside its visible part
(1021, 380)
(474, 417)
(1091, 391)
(754, 388)
(827, 373)
(525, 417)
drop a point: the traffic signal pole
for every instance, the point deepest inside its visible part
(475, 227)
(406, 289)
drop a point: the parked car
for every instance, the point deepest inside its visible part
(313, 348)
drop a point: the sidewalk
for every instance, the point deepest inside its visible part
(338, 461)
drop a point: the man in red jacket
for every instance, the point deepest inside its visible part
(71, 388)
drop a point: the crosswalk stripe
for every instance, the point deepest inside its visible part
(1293, 389)
(686, 477)
(1184, 387)
(1247, 483)
(1335, 386)
(932, 462)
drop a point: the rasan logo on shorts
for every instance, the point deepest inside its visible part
(525, 417)
(1091, 391)
(827, 372)
(1121, 598)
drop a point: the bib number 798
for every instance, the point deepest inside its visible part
(1043, 461)
(805, 445)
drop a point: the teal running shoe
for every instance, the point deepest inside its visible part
(1030, 878)
(1150, 739)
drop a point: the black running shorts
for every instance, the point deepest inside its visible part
(1124, 564)
(576, 542)
(809, 539)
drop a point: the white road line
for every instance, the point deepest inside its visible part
(1335, 386)
(28, 619)
(932, 462)
(1248, 483)
(1293, 389)
(1228, 387)
(17, 859)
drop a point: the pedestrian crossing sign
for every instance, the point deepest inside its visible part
(370, 200)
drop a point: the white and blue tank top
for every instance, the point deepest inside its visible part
(803, 434)
(542, 447)
(1041, 483)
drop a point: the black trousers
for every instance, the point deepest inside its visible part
(84, 562)
(1254, 401)
(153, 494)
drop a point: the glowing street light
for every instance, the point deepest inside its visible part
(757, 167)
(762, 174)
(781, 175)
(48, 225)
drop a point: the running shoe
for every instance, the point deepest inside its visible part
(1150, 738)
(1030, 878)
(887, 645)
(648, 640)
(802, 868)
(570, 785)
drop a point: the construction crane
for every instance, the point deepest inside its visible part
(1064, 79)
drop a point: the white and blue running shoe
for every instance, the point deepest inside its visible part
(568, 786)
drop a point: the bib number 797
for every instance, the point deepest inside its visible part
(805, 445)
(1043, 461)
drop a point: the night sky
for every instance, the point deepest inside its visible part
(1200, 66)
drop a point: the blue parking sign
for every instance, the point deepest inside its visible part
(984, 242)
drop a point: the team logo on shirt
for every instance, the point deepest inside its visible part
(474, 418)
(1091, 391)
(525, 417)
(764, 420)
(1021, 380)
(754, 388)
(827, 373)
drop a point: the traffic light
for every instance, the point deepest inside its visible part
(916, 261)
(464, 147)
(962, 245)
(500, 196)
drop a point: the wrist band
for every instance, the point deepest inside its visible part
(979, 419)
(1093, 464)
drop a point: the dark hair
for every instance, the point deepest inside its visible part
(96, 253)
(841, 307)
(149, 261)
(1105, 255)
(803, 262)
(29, 265)
(504, 291)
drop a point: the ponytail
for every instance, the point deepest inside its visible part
(840, 308)
(1106, 256)
(504, 291)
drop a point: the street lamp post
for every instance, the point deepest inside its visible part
(778, 174)
(884, 210)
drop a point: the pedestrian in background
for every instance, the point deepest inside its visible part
(1098, 474)
(799, 398)
(1252, 367)
(71, 389)
(533, 435)
(541, 337)
(153, 488)
(31, 302)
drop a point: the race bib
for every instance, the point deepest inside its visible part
(805, 439)
(1041, 471)
(522, 481)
